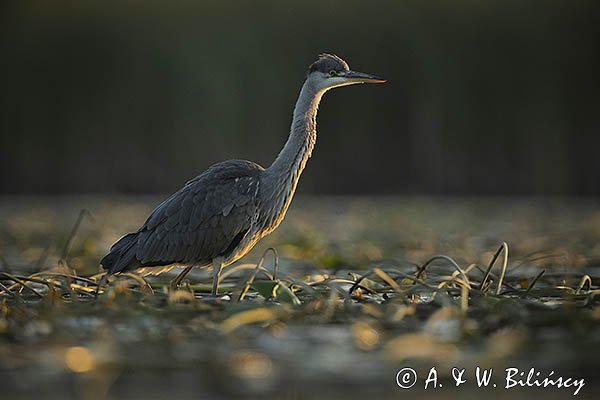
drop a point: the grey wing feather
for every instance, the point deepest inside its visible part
(197, 223)
(202, 218)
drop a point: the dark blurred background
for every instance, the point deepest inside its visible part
(484, 97)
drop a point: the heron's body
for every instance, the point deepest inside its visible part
(223, 212)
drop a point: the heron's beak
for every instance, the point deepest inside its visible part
(361, 77)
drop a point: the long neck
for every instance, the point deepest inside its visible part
(292, 159)
(283, 175)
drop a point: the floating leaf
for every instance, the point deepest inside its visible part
(276, 290)
(265, 288)
(285, 295)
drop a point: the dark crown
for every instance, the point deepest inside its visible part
(327, 62)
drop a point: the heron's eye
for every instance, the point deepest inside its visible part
(333, 72)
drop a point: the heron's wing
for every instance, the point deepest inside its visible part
(207, 218)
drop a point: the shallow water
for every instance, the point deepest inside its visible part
(128, 344)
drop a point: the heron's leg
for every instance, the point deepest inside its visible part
(175, 282)
(217, 267)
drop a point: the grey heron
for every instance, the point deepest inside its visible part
(217, 217)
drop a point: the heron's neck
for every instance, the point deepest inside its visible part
(292, 159)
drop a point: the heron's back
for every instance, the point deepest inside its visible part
(211, 216)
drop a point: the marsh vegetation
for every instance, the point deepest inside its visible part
(357, 289)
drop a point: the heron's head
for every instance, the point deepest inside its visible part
(330, 71)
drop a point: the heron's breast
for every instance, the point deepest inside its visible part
(276, 208)
(270, 212)
(245, 245)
